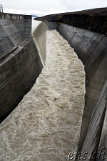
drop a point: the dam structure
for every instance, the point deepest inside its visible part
(20, 63)
(53, 87)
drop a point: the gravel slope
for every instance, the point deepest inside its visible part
(45, 126)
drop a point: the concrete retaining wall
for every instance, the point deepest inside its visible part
(91, 49)
(18, 73)
(20, 63)
(86, 32)
(39, 34)
(103, 141)
(14, 29)
(93, 19)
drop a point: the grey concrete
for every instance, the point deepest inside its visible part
(92, 19)
(91, 49)
(51, 25)
(14, 29)
(17, 60)
(20, 63)
(46, 124)
(103, 142)
(18, 73)
(39, 34)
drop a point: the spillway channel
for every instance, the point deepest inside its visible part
(46, 124)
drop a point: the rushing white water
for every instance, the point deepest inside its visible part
(45, 126)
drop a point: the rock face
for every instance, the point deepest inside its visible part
(46, 124)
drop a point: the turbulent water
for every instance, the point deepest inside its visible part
(45, 126)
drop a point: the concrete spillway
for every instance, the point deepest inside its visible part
(57, 87)
(86, 33)
(46, 124)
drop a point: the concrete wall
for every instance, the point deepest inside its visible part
(86, 32)
(23, 64)
(103, 141)
(93, 19)
(91, 49)
(20, 63)
(14, 29)
(18, 73)
(39, 34)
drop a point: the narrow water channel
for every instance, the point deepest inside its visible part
(46, 124)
